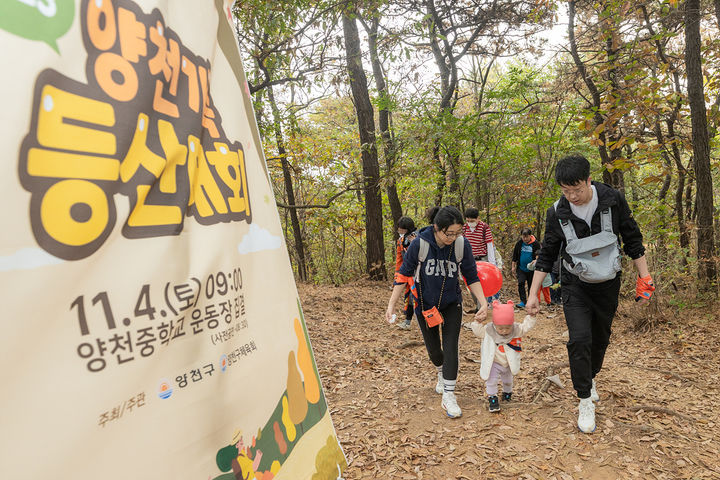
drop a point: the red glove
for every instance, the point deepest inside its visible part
(644, 288)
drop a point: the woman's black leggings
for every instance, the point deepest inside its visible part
(443, 351)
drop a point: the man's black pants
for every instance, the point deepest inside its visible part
(589, 311)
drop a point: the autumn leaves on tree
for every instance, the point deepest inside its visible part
(374, 110)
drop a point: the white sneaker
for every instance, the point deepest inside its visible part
(449, 403)
(440, 385)
(586, 415)
(593, 393)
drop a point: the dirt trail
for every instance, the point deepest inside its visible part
(658, 416)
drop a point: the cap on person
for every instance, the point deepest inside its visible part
(503, 313)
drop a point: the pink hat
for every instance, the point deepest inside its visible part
(503, 313)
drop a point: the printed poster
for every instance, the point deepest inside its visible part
(151, 327)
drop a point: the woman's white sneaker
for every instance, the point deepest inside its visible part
(586, 415)
(593, 393)
(440, 385)
(449, 403)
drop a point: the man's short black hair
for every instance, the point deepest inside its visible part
(526, 231)
(406, 223)
(572, 170)
(472, 212)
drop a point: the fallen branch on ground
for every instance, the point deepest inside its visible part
(542, 348)
(659, 370)
(667, 411)
(546, 384)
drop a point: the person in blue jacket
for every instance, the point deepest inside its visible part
(525, 251)
(436, 283)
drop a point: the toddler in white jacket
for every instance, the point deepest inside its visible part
(501, 350)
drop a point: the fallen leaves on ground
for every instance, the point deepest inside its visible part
(658, 416)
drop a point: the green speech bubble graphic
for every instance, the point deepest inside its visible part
(44, 20)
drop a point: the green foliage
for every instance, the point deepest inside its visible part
(509, 124)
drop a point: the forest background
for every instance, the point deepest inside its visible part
(370, 110)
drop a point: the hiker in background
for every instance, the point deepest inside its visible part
(544, 288)
(432, 267)
(430, 214)
(583, 227)
(555, 284)
(407, 233)
(481, 240)
(525, 251)
(501, 347)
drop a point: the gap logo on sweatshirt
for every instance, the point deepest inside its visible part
(440, 268)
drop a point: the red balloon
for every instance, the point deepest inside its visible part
(490, 278)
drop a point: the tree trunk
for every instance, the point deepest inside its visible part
(614, 134)
(447, 69)
(453, 194)
(389, 147)
(679, 208)
(375, 256)
(689, 196)
(614, 178)
(701, 145)
(672, 138)
(289, 190)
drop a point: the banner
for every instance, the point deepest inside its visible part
(151, 327)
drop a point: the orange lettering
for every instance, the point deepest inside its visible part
(208, 114)
(132, 36)
(101, 38)
(105, 65)
(162, 105)
(188, 68)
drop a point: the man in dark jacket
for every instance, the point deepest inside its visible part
(589, 307)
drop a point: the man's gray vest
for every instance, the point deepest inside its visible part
(596, 258)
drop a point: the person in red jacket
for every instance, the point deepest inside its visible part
(481, 240)
(407, 233)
